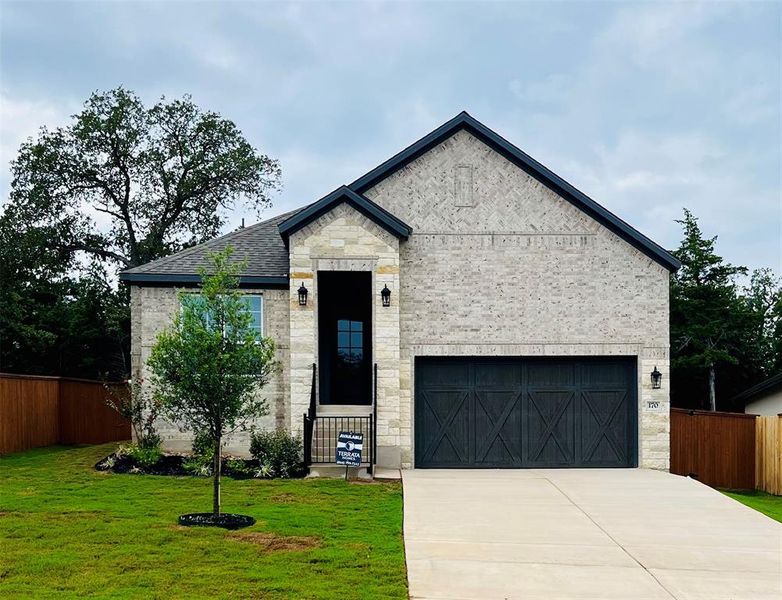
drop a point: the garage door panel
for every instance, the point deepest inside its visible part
(497, 431)
(517, 412)
(551, 373)
(599, 375)
(551, 427)
(604, 427)
(447, 414)
(498, 374)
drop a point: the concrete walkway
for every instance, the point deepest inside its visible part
(562, 534)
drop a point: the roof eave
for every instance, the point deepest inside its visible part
(188, 279)
(768, 385)
(379, 215)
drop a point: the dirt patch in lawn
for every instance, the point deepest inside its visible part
(284, 498)
(271, 542)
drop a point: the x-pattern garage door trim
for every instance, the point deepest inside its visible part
(603, 425)
(526, 412)
(443, 433)
(496, 430)
(550, 425)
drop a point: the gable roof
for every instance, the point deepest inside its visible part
(529, 165)
(263, 245)
(364, 205)
(260, 245)
(763, 388)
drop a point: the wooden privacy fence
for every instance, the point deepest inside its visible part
(768, 455)
(42, 411)
(727, 450)
(717, 449)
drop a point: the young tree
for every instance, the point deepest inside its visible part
(208, 367)
(707, 316)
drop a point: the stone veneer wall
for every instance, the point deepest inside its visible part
(498, 264)
(153, 308)
(345, 240)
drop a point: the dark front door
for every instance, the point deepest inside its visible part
(473, 413)
(345, 337)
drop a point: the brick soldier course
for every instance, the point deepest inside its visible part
(486, 254)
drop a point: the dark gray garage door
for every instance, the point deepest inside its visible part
(473, 413)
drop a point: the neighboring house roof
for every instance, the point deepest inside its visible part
(264, 245)
(760, 390)
(528, 164)
(260, 245)
(344, 194)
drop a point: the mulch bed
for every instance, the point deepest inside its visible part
(224, 520)
(173, 464)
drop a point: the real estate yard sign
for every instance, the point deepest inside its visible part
(349, 448)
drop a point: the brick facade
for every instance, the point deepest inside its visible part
(510, 268)
(345, 240)
(497, 265)
(153, 308)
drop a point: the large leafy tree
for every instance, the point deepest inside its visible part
(208, 367)
(122, 184)
(57, 318)
(158, 177)
(708, 318)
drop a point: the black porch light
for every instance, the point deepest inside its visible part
(657, 378)
(385, 294)
(303, 295)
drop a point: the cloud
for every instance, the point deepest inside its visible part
(647, 107)
(21, 119)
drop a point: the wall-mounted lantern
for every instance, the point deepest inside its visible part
(657, 378)
(385, 294)
(303, 295)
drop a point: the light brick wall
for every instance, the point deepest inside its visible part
(153, 308)
(512, 269)
(345, 240)
(498, 265)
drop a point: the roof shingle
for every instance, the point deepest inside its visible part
(260, 245)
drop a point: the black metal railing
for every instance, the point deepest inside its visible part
(325, 432)
(309, 419)
(320, 433)
(374, 419)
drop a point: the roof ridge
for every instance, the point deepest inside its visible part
(528, 164)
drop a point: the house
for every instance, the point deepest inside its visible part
(765, 398)
(462, 302)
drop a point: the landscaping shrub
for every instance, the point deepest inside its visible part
(142, 456)
(140, 407)
(201, 461)
(278, 453)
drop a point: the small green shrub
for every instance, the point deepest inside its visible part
(278, 452)
(237, 466)
(142, 456)
(200, 463)
(150, 440)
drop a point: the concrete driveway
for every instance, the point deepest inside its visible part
(561, 534)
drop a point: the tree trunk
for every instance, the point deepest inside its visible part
(216, 471)
(712, 393)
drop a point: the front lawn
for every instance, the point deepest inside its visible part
(67, 530)
(760, 501)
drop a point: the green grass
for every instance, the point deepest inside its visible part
(67, 531)
(760, 501)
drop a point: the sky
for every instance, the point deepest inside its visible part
(646, 107)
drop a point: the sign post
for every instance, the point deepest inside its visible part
(349, 449)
